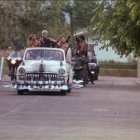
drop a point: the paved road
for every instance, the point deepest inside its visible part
(107, 110)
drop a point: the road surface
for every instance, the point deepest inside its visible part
(107, 110)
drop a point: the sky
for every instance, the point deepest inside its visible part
(67, 17)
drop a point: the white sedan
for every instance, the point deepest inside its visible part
(45, 69)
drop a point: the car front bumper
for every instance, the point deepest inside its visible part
(41, 86)
(41, 82)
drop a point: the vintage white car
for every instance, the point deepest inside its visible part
(45, 69)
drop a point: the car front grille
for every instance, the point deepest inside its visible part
(40, 76)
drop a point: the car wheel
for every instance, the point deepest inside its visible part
(20, 92)
(63, 92)
(69, 90)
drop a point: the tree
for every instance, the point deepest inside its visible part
(119, 23)
(22, 18)
(55, 18)
(80, 12)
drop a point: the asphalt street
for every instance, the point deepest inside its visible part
(107, 110)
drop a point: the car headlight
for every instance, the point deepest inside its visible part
(61, 71)
(13, 61)
(21, 71)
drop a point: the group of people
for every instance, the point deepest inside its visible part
(46, 41)
(62, 42)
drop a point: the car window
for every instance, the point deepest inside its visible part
(44, 54)
(54, 55)
(34, 55)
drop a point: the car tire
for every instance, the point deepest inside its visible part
(20, 92)
(69, 90)
(63, 92)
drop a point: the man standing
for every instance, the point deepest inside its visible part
(46, 41)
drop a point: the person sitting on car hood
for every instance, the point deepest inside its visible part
(46, 41)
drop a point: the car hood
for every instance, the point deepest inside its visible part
(48, 66)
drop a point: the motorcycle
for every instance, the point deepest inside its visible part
(93, 64)
(82, 71)
(14, 59)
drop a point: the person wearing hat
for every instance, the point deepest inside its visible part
(46, 41)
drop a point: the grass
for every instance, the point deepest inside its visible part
(118, 72)
(118, 66)
(112, 68)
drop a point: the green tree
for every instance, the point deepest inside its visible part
(80, 12)
(119, 23)
(54, 18)
(19, 18)
(22, 18)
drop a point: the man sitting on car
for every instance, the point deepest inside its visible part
(46, 41)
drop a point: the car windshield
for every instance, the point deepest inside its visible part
(44, 54)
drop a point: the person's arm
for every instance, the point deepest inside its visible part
(29, 44)
(65, 47)
(37, 43)
(41, 42)
(53, 42)
(58, 44)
